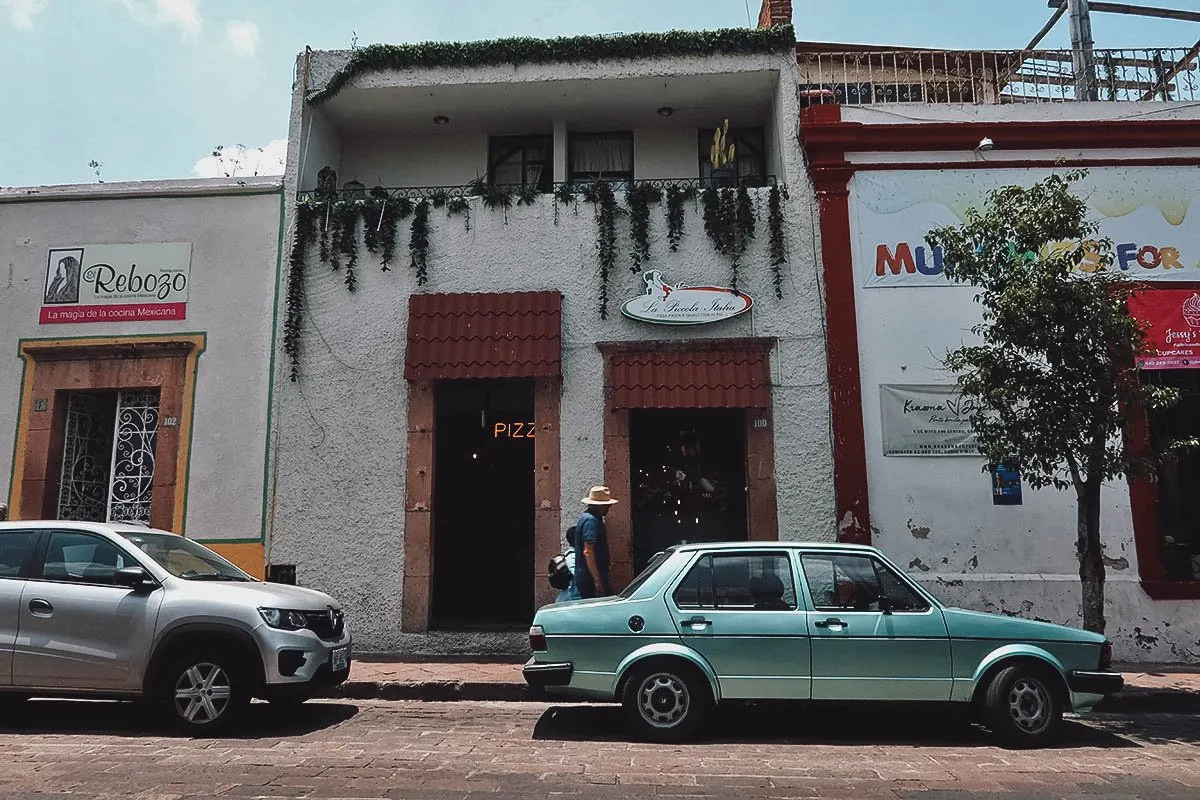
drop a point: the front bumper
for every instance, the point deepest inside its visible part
(301, 661)
(542, 675)
(1102, 683)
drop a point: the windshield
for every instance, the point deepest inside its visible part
(184, 558)
(645, 574)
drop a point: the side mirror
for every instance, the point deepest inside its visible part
(885, 605)
(135, 578)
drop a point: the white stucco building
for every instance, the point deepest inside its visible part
(885, 176)
(440, 435)
(136, 324)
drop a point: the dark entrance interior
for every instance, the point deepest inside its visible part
(688, 470)
(483, 504)
(1178, 472)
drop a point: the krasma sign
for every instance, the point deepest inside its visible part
(1141, 209)
(1172, 319)
(927, 421)
(117, 283)
(664, 304)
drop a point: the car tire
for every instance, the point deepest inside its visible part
(203, 691)
(666, 701)
(1023, 705)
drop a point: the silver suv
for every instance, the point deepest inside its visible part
(117, 611)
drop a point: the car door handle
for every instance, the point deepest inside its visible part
(696, 623)
(832, 622)
(41, 608)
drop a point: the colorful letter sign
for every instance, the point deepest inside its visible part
(117, 283)
(664, 304)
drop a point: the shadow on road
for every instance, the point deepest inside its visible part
(783, 724)
(261, 721)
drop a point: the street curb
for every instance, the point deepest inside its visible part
(1130, 701)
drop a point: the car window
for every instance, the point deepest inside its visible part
(644, 575)
(82, 558)
(739, 582)
(842, 582)
(185, 558)
(900, 595)
(16, 549)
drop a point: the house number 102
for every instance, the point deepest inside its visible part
(512, 430)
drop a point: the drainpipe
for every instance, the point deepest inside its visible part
(1083, 59)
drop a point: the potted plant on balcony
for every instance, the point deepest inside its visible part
(721, 157)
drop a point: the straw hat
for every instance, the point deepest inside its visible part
(599, 496)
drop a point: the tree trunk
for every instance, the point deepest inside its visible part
(1091, 556)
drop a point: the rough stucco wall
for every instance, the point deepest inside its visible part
(935, 515)
(231, 297)
(342, 430)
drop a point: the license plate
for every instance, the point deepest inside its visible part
(340, 659)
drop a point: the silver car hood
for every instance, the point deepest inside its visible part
(264, 595)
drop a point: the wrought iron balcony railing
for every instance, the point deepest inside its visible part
(443, 194)
(994, 77)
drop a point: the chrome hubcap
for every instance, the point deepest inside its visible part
(1029, 705)
(663, 700)
(202, 693)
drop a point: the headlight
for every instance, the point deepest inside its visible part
(283, 619)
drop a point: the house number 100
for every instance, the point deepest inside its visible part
(512, 430)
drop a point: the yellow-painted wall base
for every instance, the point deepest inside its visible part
(248, 557)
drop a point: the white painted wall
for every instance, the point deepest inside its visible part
(234, 232)
(341, 446)
(450, 159)
(935, 515)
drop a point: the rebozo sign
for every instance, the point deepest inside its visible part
(117, 283)
(1141, 209)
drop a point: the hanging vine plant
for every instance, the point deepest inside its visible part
(676, 197)
(293, 320)
(601, 194)
(639, 198)
(775, 246)
(418, 243)
(729, 222)
(460, 205)
(346, 232)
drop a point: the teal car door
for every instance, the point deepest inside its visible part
(874, 637)
(739, 611)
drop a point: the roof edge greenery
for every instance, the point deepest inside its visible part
(523, 50)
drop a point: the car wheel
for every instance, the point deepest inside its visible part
(666, 702)
(203, 691)
(1024, 706)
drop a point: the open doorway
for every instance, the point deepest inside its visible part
(688, 470)
(483, 521)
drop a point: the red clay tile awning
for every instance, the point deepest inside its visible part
(707, 376)
(465, 336)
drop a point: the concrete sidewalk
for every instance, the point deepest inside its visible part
(1148, 688)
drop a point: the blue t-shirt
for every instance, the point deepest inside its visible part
(590, 529)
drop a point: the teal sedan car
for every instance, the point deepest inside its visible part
(706, 624)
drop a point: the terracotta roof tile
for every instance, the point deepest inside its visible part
(479, 335)
(711, 378)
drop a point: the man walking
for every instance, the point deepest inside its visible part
(591, 538)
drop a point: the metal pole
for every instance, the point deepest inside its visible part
(1083, 58)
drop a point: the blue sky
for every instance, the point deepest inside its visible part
(148, 87)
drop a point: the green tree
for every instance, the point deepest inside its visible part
(1055, 369)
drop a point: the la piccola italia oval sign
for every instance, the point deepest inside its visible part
(666, 304)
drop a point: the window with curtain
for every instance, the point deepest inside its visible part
(606, 156)
(521, 161)
(749, 160)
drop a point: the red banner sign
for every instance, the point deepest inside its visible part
(1173, 320)
(133, 312)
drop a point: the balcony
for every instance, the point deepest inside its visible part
(873, 77)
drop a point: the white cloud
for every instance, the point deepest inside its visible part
(239, 161)
(242, 36)
(22, 12)
(183, 14)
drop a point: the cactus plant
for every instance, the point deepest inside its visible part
(722, 152)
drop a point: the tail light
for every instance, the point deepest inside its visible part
(537, 639)
(1105, 656)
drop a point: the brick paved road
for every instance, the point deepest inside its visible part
(456, 750)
